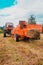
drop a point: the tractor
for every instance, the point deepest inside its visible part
(7, 28)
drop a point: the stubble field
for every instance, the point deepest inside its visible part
(21, 53)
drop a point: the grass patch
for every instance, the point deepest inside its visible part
(1, 31)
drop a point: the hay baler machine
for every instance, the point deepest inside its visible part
(7, 28)
(23, 32)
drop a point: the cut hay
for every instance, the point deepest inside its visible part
(35, 34)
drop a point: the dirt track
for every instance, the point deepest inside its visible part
(21, 53)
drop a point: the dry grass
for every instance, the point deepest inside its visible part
(21, 53)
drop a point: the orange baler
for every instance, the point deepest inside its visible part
(27, 30)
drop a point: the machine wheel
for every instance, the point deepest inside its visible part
(4, 33)
(17, 38)
(38, 38)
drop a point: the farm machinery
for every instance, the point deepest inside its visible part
(7, 28)
(26, 31)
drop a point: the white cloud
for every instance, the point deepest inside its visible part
(14, 13)
(19, 11)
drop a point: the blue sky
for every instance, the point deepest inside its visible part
(6, 3)
(15, 10)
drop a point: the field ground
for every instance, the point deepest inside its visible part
(21, 53)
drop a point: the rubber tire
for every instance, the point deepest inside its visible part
(4, 33)
(38, 38)
(17, 38)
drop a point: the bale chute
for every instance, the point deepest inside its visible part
(35, 34)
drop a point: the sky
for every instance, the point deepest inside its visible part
(15, 10)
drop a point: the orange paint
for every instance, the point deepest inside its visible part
(35, 26)
(23, 32)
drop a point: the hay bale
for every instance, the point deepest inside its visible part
(35, 34)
